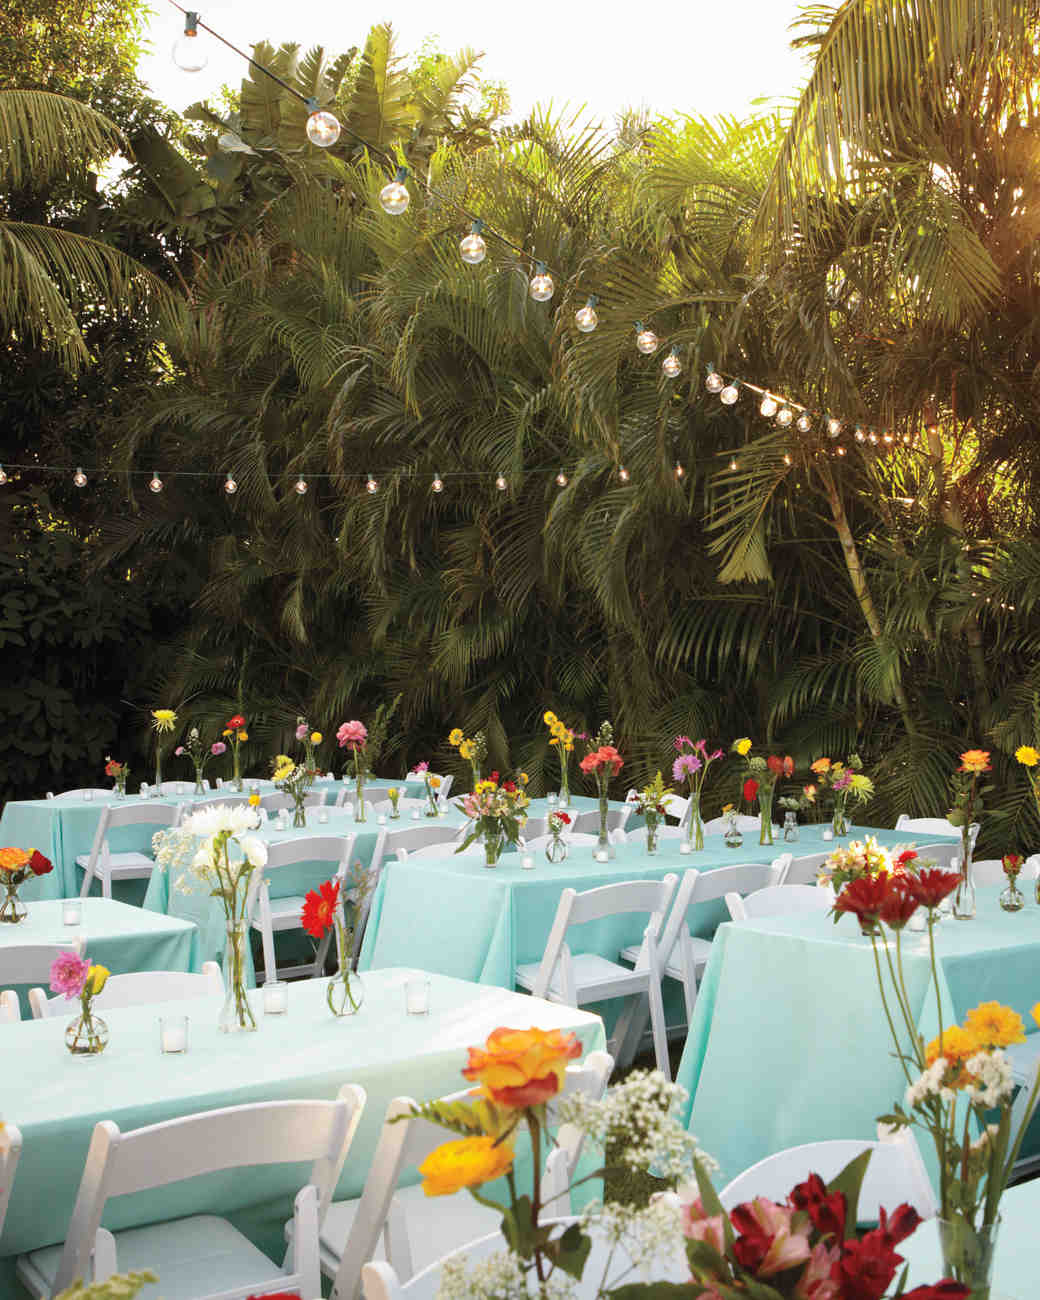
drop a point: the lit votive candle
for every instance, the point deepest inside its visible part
(684, 846)
(601, 855)
(181, 788)
(527, 862)
(550, 798)
(323, 816)
(828, 834)
(88, 795)
(173, 1034)
(143, 792)
(417, 996)
(72, 911)
(276, 998)
(416, 814)
(381, 819)
(918, 921)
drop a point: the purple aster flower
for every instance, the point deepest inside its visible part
(68, 973)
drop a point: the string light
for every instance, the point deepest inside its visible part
(585, 317)
(646, 339)
(671, 365)
(804, 422)
(3, 476)
(784, 416)
(323, 128)
(230, 486)
(623, 474)
(733, 463)
(768, 407)
(394, 197)
(300, 486)
(859, 435)
(189, 53)
(372, 487)
(833, 427)
(872, 437)
(155, 483)
(79, 478)
(472, 248)
(714, 381)
(787, 458)
(541, 287)
(841, 451)
(679, 471)
(438, 483)
(729, 394)
(501, 483)
(561, 479)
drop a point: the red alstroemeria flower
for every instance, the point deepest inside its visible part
(750, 789)
(827, 1210)
(788, 765)
(903, 1222)
(775, 764)
(564, 817)
(864, 897)
(509, 787)
(236, 722)
(866, 1267)
(947, 1289)
(931, 886)
(39, 865)
(493, 777)
(898, 907)
(319, 909)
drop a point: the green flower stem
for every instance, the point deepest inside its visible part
(888, 1013)
(534, 1128)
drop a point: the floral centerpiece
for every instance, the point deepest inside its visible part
(496, 813)
(1011, 899)
(760, 783)
(163, 723)
(235, 735)
(310, 740)
(200, 753)
(212, 849)
(294, 780)
(323, 908)
(431, 784)
(16, 867)
(603, 762)
(652, 806)
(556, 849)
(561, 738)
(394, 795)
(966, 810)
(473, 749)
(955, 1082)
(365, 745)
(691, 765)
(73, 975)
(845, 781)
(119, 772)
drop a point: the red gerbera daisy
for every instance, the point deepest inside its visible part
(319, 909)
(864, 897)
(931, 886)
(236, 722)
(899, 904)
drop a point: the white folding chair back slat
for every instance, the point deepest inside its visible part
(418, 837)
(29, 963)
(10, 1011)
(101, 863)
(934, 826)
(896, 1174)
(95, 792)
(225, 800)
(443, 850)
(572, 841)
(804, 870)
(780, 900)
(617, 818)
(122, 1164)
(279, 801)
(184, 787)
(990, 871)
(10, 1153)
(139, 989)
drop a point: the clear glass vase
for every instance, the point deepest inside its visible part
(12, 909)
(86, 1034)
(790, 828)
(299, 815)
(565, 789)
(345, 991)
(964, 894)
(839, 822)
(556, 849)
(359, 806)
(765, 815)
(200, 787)
(652, 831)
(694, 823)
(968, 1252)
(494, 843)
(1011, 899)
(236, 1015)
(733, 837)
(236, 770)
(431, 800)
(603, 844)
(121, 786)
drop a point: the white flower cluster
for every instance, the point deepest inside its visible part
(191, 848)
(652, 1236)
(930, 1084)
(498, 1277)
(991, 1078)
(641, 1116)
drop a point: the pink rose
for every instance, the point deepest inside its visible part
(68, 972)
(217, 748)
(178, 751)
(301, 731)
(352, 733)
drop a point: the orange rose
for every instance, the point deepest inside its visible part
(820, 766)
(13, 859)
(465, 1163)
(522, 1067)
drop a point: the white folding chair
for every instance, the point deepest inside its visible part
(617, 818)
(404, 806)
(683, 955)
(202, 1256)
(225, 799)
(780, 900)
(416, 1229)
(447, 780)
(279, 801)
(138, 989)
(896, 1173)
(10, 1011)
(268, 915)
(719, 825)
(934, 826)
(30, 963)
(10, 1152)
(990, 871)
(107, 866)
(804, 870)
(182, 787)
(93, 792)
(422, 836)
(581, 978)
(1025, 1062)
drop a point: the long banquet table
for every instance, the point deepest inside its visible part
(789, 1032)
(57, 1100)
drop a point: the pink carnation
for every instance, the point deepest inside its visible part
(352, 733)
(68, 973)
(301, 731)
(421, 767)
(178, 751)
(217, 748)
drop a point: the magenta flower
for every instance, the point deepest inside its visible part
(68, 974)
(217, 748)
(681, 741)
(352, 733)
(842, 782)
(421, 767)
(301, 731)
(713, 757)
(701, 745)
(178, 751)
(685, 765)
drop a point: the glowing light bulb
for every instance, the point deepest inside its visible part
(872, 437)
(3, 476)
(714, 381)
(189, 52)
(155, 483)
(541, 287)
(906, 439)
(841, 451)
(671, 365)
(394, 197)
(888, 437)
(679, 471)
(729, 394)
(733, 463)
(769, 406)
(372, 487)
(79, 478)
(300, 486)
(438, 483)
(646, 340)
(804, 422)
(323, 127)
(561, 479)
(787, 458)
(860, 436)
(501, 483)
(784, 416)
(472, 248)
(623, 474)
(585, 317)
(230, 486)
(833, 427)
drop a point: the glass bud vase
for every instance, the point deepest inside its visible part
(556, 849)
(236, 1015)
(964, 894)
(733, 838)
(299, 816)
(839, 822)
(359, 806)
(1011, 899)
(494, 843)
(12, 909)
(431, 800)
(565, 790)
(967, 1253)
(652, 832)
(237, 771)
(603, 843)
(694, 823)
(790, 828)
(200, 787)
(86, 1034)
(345, 991)
(765, 816)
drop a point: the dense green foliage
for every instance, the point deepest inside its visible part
(883, 600)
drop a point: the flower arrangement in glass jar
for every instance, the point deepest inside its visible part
(496, 813)
(561, 738)
(365, 745)
(16, 867)
(119, 772)
(394, 796)
(760, 782)
(691, 765)
(164, 721)
(603, 762)
(473, 749)
(845, 781)
(966, 811)
(294, 780)
(556, 849)
(1011, 899)
(431, 785)
(310, 740)
(324, 908)
(200, 753)
(652, 806)
(235, 735)
(76, 977)
(848, 862)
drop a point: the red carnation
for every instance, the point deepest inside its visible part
(931, 886)
(899, 905)
(864, 897)
(825, 1209)
(866, 1267)
(947, 1289)
(907, 856)
(237, 721)
(319, 909)
(750, 789)
(776, 765)
(564, 818)
(39, 865)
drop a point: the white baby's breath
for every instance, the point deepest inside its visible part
(992, 1081)
(498, 1277)
(651, 1236)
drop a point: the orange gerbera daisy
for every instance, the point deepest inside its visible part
(975, 760)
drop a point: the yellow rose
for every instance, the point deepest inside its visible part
(97, 978)
(1027, 755)
(455, 737)
(742, 746)
(522, 1067)
(465, 1163)
(316, 737)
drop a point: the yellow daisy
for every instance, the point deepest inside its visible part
(549, 718)
(742, 746)
(1027, 755)
(455, 737)
(164, 719)
(994, 1025)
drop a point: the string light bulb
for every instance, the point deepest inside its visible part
(859, 435)
(833, 427)
(501, 483)
(804, 422)
(300, 486)
(679, 471)
(872, 437)
(769, 406)
(230, 486)
(784, 416)
(714, 382)
(3, 476)
(787, 458)
(841, 451)
(189, 53)
(729, 394)
(646, 340)
(79, 478)
(372, 486)
(585, 317)
(541, 287)
(155, 483)
(394, 197)
(561, 479)
(671, 365)
(438, 483)
(472, 248)
(323, 128)
(623, 474)
(733, 463)
(887, 437)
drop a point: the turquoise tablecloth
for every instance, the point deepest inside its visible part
(789, 1033)
(56, 1100)
(123, 938)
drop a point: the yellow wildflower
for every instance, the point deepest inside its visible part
(393, 792)
(555, 740)
(283, 767)
(466, 749)
(742, 746)
(243, 735)
(1027, 755)
(467, 1162)
(254, 800)
(862, 784)
(227, 732)
(550, 719)
(569, 747)
(164, 719)
(957, 1046)
(726, 808)
(455, 737)
(994, 1025)
(435, 782)
(316, 737)
(524, 778)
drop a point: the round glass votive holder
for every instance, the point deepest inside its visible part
(416, 814)
(417, 995)
(276, 998)
(173, 1035)
(323, 816)
(88, 796)
(72, 911)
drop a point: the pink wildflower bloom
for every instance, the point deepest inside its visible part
(685, 765)
(701, 745)
(68, 973)
(842, 782)
(352, 733)
(217, 748)
(680, 741)
(816, 1282)
(713, 757)
(178, 751)
(301, 731)
(421, 767)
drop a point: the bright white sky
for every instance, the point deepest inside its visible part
(699, 57)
